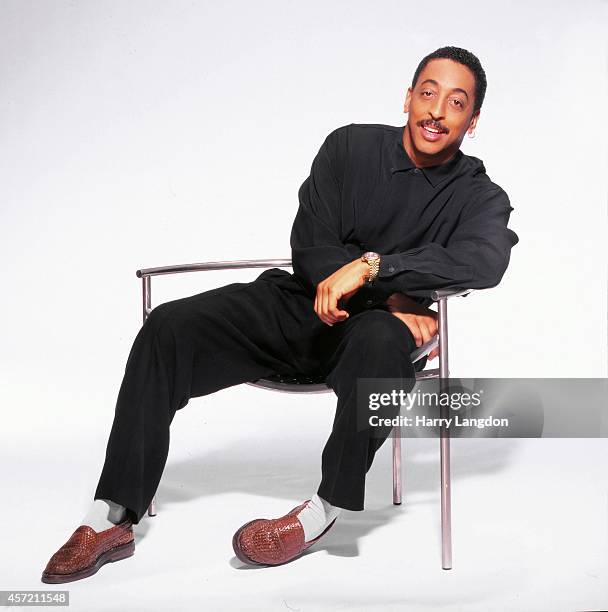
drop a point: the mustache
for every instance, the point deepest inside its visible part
(433, 124)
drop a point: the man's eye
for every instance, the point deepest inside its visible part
(458, 102)
(427, 92)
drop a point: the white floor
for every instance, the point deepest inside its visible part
(529, 516)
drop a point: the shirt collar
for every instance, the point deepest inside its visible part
(400, 160)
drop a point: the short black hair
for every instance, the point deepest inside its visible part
(464, 57)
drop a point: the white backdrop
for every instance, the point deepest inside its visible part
(144, 133)
(148, 133)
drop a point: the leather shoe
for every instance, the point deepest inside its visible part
(273, 541)
(87, 550)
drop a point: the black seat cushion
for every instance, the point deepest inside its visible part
(298, 379)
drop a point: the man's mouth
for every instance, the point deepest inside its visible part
(431, 131)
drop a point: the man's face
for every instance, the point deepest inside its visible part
(442, 101)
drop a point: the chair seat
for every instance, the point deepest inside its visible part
(298, 383)
(298, 379)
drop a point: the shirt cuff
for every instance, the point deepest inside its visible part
(388, 266)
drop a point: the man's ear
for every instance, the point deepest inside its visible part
(473, 122)
(408, 98)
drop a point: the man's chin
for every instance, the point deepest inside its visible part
(433, 155)
(431, 149)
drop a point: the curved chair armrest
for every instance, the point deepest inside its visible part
(213, 265)
(439, 294)
(206, 266)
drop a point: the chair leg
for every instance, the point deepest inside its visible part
(146, 292)
(446, 505)
(444, 441)
(397, 465)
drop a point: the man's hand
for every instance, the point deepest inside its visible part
(342, 284)
(421, 321)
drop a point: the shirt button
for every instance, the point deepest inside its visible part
(391, 268)
(369, 302)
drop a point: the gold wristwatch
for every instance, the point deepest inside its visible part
(373, 260)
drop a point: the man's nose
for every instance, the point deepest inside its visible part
(437, 110)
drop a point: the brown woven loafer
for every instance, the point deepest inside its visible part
(273, 541)
(86, 551)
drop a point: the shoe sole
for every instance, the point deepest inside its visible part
(114, 554)
(238, 551)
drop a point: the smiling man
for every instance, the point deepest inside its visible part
(387, 215)
(428, 214)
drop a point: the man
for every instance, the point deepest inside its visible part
(387, 215)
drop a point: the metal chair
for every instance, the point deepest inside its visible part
(306, 384)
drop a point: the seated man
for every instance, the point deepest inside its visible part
(387, 215)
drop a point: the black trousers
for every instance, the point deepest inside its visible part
(200, 344)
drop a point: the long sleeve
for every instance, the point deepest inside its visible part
(317, 250)
(476, 255)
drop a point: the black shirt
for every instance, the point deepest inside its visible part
(438, 227)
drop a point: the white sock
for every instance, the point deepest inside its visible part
(316, 516)
(104, 514)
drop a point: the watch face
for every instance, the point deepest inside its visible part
(370, 255)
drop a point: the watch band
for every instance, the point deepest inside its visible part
(373, 261)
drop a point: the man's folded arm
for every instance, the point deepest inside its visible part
(475, 257)
(317, 250)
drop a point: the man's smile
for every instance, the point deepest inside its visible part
(431, 130)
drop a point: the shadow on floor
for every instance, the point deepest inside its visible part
(280, 469)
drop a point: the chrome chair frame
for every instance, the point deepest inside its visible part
(440, 339)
